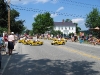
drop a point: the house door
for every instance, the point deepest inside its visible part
(66, 32)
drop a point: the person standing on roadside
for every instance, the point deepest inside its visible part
(6, 42)
(11, 42)
(4, 33)
(75, 37)
(1, 43)
(83, 36)
(80, 37)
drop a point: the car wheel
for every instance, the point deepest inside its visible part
(63, 43)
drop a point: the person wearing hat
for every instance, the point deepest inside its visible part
(11, 42)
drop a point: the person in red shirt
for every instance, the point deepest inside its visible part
(6, 42)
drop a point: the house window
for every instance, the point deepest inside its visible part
(69, 28)
(59, 28)
(65, 28)
(72, 28)
(62, 28)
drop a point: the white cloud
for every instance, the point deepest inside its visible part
(53, 15)
(42, 1)
(78, 20)
(28, 1)
(25, 2)
(54, 1)
(20, 1)
(81, 23)
(61, 8)
(35, 15)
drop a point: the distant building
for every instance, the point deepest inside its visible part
(65, 27)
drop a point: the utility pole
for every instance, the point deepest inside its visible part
(8, 1)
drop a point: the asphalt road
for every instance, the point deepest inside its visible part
(69, 59)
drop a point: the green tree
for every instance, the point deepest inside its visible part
(55, 33)
(16, 26)
(31, 32)
(68, 20)
(2, 29)
(3, 16)
(43, 23)
(77, 28)
(93, 20)
(27, 31)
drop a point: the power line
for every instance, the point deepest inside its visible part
(76, 2)
(75, 5)
(70, 2)
(60, 2)
(57, 13)
(43, 11)
(80, 4)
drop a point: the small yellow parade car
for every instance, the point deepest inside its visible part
(27, 42)
(35, 43)
(62, 39)
(21, 40)
(58, 42)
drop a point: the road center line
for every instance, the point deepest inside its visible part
(80, 52)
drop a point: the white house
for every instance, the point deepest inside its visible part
(65, 27)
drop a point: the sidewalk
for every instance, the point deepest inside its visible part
(5, 60)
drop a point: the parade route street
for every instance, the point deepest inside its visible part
(69, 59)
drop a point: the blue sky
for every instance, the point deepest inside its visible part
(76, 10)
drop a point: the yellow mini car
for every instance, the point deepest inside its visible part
(62, 39)
(21, 41)
(26, 42)
(35, 43)
(58, 42)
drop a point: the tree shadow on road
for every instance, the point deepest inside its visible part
(19, 66)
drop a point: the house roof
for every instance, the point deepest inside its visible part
(64, 24)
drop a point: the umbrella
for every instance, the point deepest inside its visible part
(95, 29)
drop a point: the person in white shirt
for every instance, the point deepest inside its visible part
(11, 42)
(59, 38)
